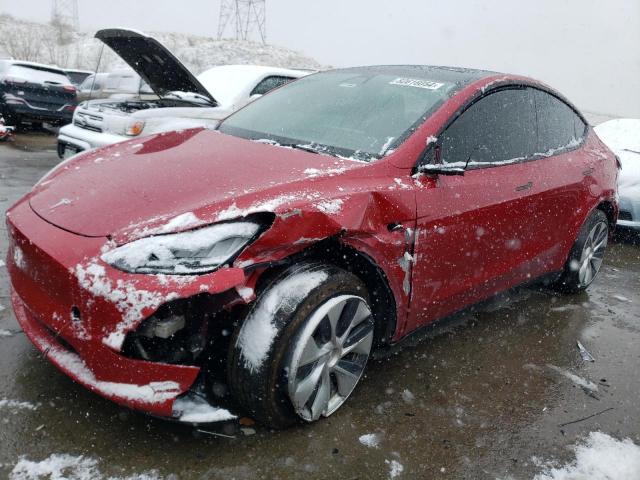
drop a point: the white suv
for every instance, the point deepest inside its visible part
(181, 99)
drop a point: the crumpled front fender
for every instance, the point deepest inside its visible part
(363, 221)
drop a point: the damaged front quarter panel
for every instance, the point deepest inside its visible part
(365, 221)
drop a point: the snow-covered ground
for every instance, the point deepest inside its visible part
(69, 467)
(598, 457)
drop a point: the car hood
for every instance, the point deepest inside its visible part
(152, 61)
(180, 180)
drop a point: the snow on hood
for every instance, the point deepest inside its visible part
(622, 135)
(132, 189)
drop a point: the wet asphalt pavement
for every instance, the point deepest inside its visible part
(478, 400)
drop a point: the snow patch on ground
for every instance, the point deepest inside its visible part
(258, 331)
(16, 405)
(371, 440)
(598, 457)
(69, 467)
(395, 468)
(408, 397)
(5, 333)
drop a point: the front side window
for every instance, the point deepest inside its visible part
(559, 127)
(269, 83)
(358, 114)
(500, 127)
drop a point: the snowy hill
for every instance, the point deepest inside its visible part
(50, 44)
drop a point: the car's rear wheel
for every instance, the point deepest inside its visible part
(322, 334)
(587, 254)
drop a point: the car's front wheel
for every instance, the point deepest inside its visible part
(303, 347)
(587, 254)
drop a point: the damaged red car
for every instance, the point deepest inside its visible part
(207, 275)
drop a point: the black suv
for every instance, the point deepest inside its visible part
(35, 93)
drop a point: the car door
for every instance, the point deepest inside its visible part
(564, 173)
(473, 232)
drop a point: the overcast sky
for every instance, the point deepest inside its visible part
(588, 49)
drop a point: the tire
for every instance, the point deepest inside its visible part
(265, 363)
(585, 259)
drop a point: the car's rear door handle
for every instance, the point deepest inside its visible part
(588, 171)
(526, 186)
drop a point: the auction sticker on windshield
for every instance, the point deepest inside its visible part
(416, 82)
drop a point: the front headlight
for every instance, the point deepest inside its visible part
(192, 252)
(134, 128)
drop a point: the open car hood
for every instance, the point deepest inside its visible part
(152, 61)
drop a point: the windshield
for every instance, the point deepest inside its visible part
(356, 114)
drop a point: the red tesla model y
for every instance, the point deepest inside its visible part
(250, 271)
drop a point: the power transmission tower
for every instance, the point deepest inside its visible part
(245, 18)
(65, 12)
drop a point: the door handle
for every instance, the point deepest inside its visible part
(526, 186)
(588, 171)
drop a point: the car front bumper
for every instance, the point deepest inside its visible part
(70, 323)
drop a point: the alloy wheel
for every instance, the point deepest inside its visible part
(329, 356)
(593, 253)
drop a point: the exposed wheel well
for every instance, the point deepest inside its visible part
(383, 304)
(609, 210)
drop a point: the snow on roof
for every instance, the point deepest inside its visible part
(24, 63)
(227, 82)
(622, 135)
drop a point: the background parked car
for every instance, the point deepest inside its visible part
(160, 94)
(622, 135)
(77, 76)
(122, 83)
(35, 93)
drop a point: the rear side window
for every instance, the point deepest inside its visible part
(89, 82)
(269, 83)
(38, 75)
(497, 128)
(123, 83)
(559, 127)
